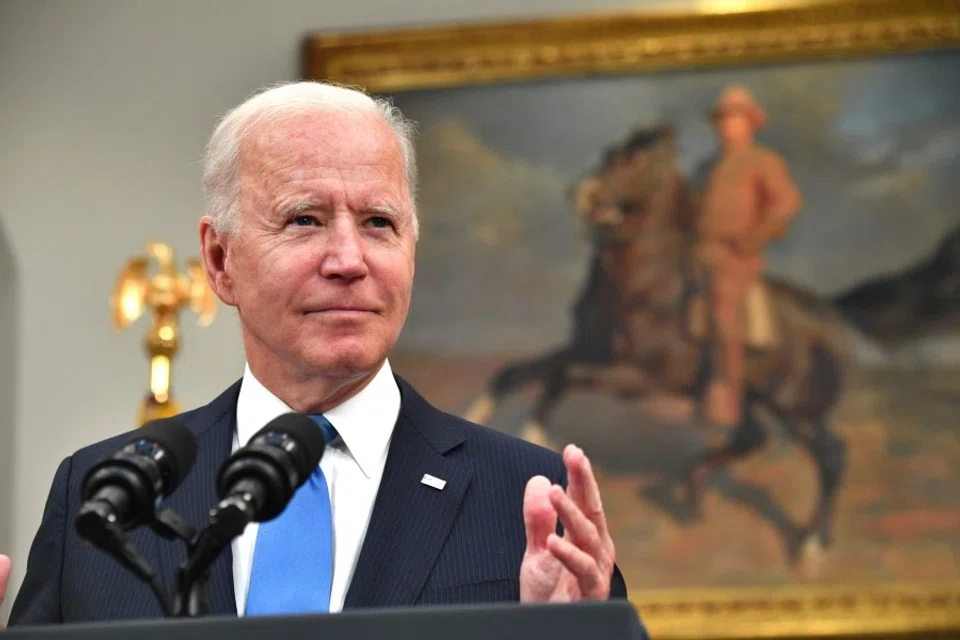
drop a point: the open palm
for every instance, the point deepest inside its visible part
(579, 564)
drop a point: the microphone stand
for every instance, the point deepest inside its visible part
(104, 532)
(227, 521)
(170, 525)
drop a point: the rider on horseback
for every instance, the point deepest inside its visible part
(749, 200)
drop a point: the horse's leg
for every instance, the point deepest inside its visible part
(621, 379)
(829, 453)
(481, 409)
(748, 436)
(555, 386)
(509, 379)
(704, 372)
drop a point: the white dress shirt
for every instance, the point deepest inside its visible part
(352, 469)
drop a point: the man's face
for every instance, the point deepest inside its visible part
(321, 267)
(734, 126)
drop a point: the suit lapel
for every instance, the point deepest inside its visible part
(410, 520)
(214, 426)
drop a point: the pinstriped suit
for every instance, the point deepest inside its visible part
(461, 545)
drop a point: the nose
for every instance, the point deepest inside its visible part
(344, 253)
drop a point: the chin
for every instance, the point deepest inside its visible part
(345, 360)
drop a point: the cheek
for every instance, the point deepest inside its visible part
(736, 127)
(272, 275)
(394, 275)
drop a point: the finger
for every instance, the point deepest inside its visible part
(593, 502)
(572, 457)
(577, 527)
(584, 568)
(583, 488)
(5, 566)
(539, 515)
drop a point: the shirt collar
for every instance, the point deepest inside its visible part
(365, 421)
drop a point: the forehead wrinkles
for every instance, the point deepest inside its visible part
(295, 145)
(265, 151)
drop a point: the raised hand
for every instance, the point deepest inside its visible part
(5, 567)
(578, 565)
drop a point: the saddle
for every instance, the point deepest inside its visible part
(761, 330)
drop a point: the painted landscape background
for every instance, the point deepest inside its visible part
(874, 146)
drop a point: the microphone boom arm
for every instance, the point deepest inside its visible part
(112, 539)
(227, 521)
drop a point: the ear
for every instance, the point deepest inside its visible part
(213, 247)
(585, 193)
(667, 144)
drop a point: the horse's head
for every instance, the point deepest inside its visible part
(627, 184)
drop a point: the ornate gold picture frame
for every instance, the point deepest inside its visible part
(656, 41)
(402, 60)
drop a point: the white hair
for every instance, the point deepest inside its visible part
(222, 159)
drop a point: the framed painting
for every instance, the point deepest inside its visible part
(721, 252)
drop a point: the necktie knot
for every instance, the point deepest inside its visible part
(329, 432)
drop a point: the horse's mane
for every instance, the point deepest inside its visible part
(640, 139)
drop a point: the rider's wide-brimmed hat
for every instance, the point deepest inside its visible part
(739, 100)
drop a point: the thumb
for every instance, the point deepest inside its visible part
(5, 567)
(539, 516)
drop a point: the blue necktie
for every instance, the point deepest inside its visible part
(293, 559)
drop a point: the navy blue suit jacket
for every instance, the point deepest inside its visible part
(461, 545)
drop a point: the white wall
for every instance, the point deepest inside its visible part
(105, 106)
(8, 309)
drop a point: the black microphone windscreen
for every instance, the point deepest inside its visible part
(306, 433)
(179, 442)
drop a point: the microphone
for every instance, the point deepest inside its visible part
(125, 488)
(255, 484)
(261, 478)
(123, 491)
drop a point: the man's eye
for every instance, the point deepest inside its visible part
(380, 222)
(304, 221)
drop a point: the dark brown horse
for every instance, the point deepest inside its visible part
(631, 335)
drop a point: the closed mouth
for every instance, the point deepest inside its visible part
(340, 310)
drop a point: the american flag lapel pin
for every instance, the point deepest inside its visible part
(433, 481)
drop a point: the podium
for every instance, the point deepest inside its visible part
(609, 620)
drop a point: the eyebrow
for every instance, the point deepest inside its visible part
(302, 206)
(387, 209)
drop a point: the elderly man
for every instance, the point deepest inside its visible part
(311, 236)
(749, 201)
